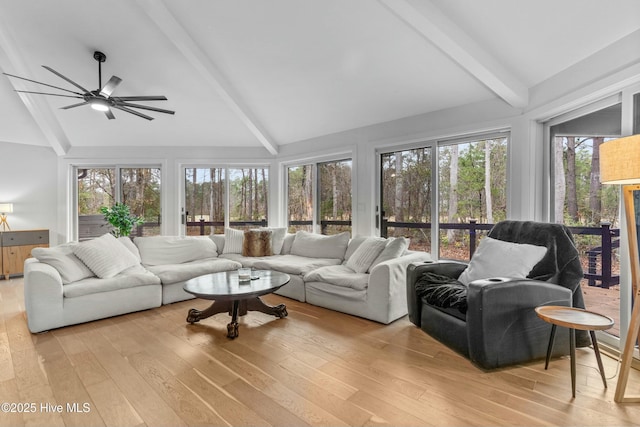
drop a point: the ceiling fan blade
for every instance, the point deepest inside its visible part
(65, 78)
(109, 114)
(145, 107)
(46, 93)
(110, 86)
(44, 84)
(128, 110)
(140, 98)
(74, 105)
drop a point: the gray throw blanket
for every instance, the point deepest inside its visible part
(442, 291)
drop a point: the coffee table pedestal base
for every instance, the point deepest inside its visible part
(236, 308)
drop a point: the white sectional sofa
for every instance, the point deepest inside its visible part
(80, 282)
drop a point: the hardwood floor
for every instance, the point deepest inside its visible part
(315, 368)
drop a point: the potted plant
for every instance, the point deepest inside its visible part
(121, 218)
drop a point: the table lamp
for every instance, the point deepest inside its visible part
(620, 164)
(5, 208)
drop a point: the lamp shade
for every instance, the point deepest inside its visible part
(6, 208)
(620, 161)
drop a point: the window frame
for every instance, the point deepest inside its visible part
(314, 162)
(73, 223)
(226, 167)
(434, 145)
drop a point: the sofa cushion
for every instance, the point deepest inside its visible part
(293, 264)
(495, 258)
(173, 273)
(233, 241)
(105, 256)
(61, 257)
(159, 250)
(366, 253)
(339, 275)
(246, 261)
(129, 278)
(287, 243)
(320, 246)
(257, 243)
(395, 248)
(128, 243)
(218, 239)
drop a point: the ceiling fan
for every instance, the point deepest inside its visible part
(100, 99)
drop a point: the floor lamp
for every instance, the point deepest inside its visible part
(620, 164)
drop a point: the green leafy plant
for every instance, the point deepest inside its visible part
(120, 217)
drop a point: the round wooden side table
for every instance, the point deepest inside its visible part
(574, 318)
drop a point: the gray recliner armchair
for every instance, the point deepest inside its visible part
(493, 321)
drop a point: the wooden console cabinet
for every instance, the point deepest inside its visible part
(16, 247)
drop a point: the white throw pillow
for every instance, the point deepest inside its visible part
(233, 241)
(105, 256)
(128, 243)
(396, 247)
(496, 258)
(61, 258)
(366, 253)
(313, 245)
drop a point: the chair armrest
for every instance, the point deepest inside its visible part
(452, 269)
(502, 326)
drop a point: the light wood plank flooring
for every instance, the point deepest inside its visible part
(314, 368)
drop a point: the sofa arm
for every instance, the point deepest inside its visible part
(502, 326)
(43, 296)
(387, 282)
(451, 269)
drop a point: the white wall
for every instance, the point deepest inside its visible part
(28, 177)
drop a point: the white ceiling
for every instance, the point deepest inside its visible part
(263, 73)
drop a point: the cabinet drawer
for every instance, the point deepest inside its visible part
(27, 237)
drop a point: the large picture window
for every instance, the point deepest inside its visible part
(470, 176)
(319, 197)
(138, 188)
(214, 194)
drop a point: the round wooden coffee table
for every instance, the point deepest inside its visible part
(574, 318)
(235, 296)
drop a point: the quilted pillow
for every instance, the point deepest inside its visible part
(367, 252)
(396, 246)
(496, 258)
(61, 258)
(257, 243)
(233, 241)
(105, 256)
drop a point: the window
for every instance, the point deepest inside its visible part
(300, 198)
(138, 188)
(472, 186)
(406, 194)
(319, 197)
(580, 201)
(470, 176)
(214, 194)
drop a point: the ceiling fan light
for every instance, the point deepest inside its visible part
(99, 105)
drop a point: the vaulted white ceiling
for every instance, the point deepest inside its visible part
(263, 73)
